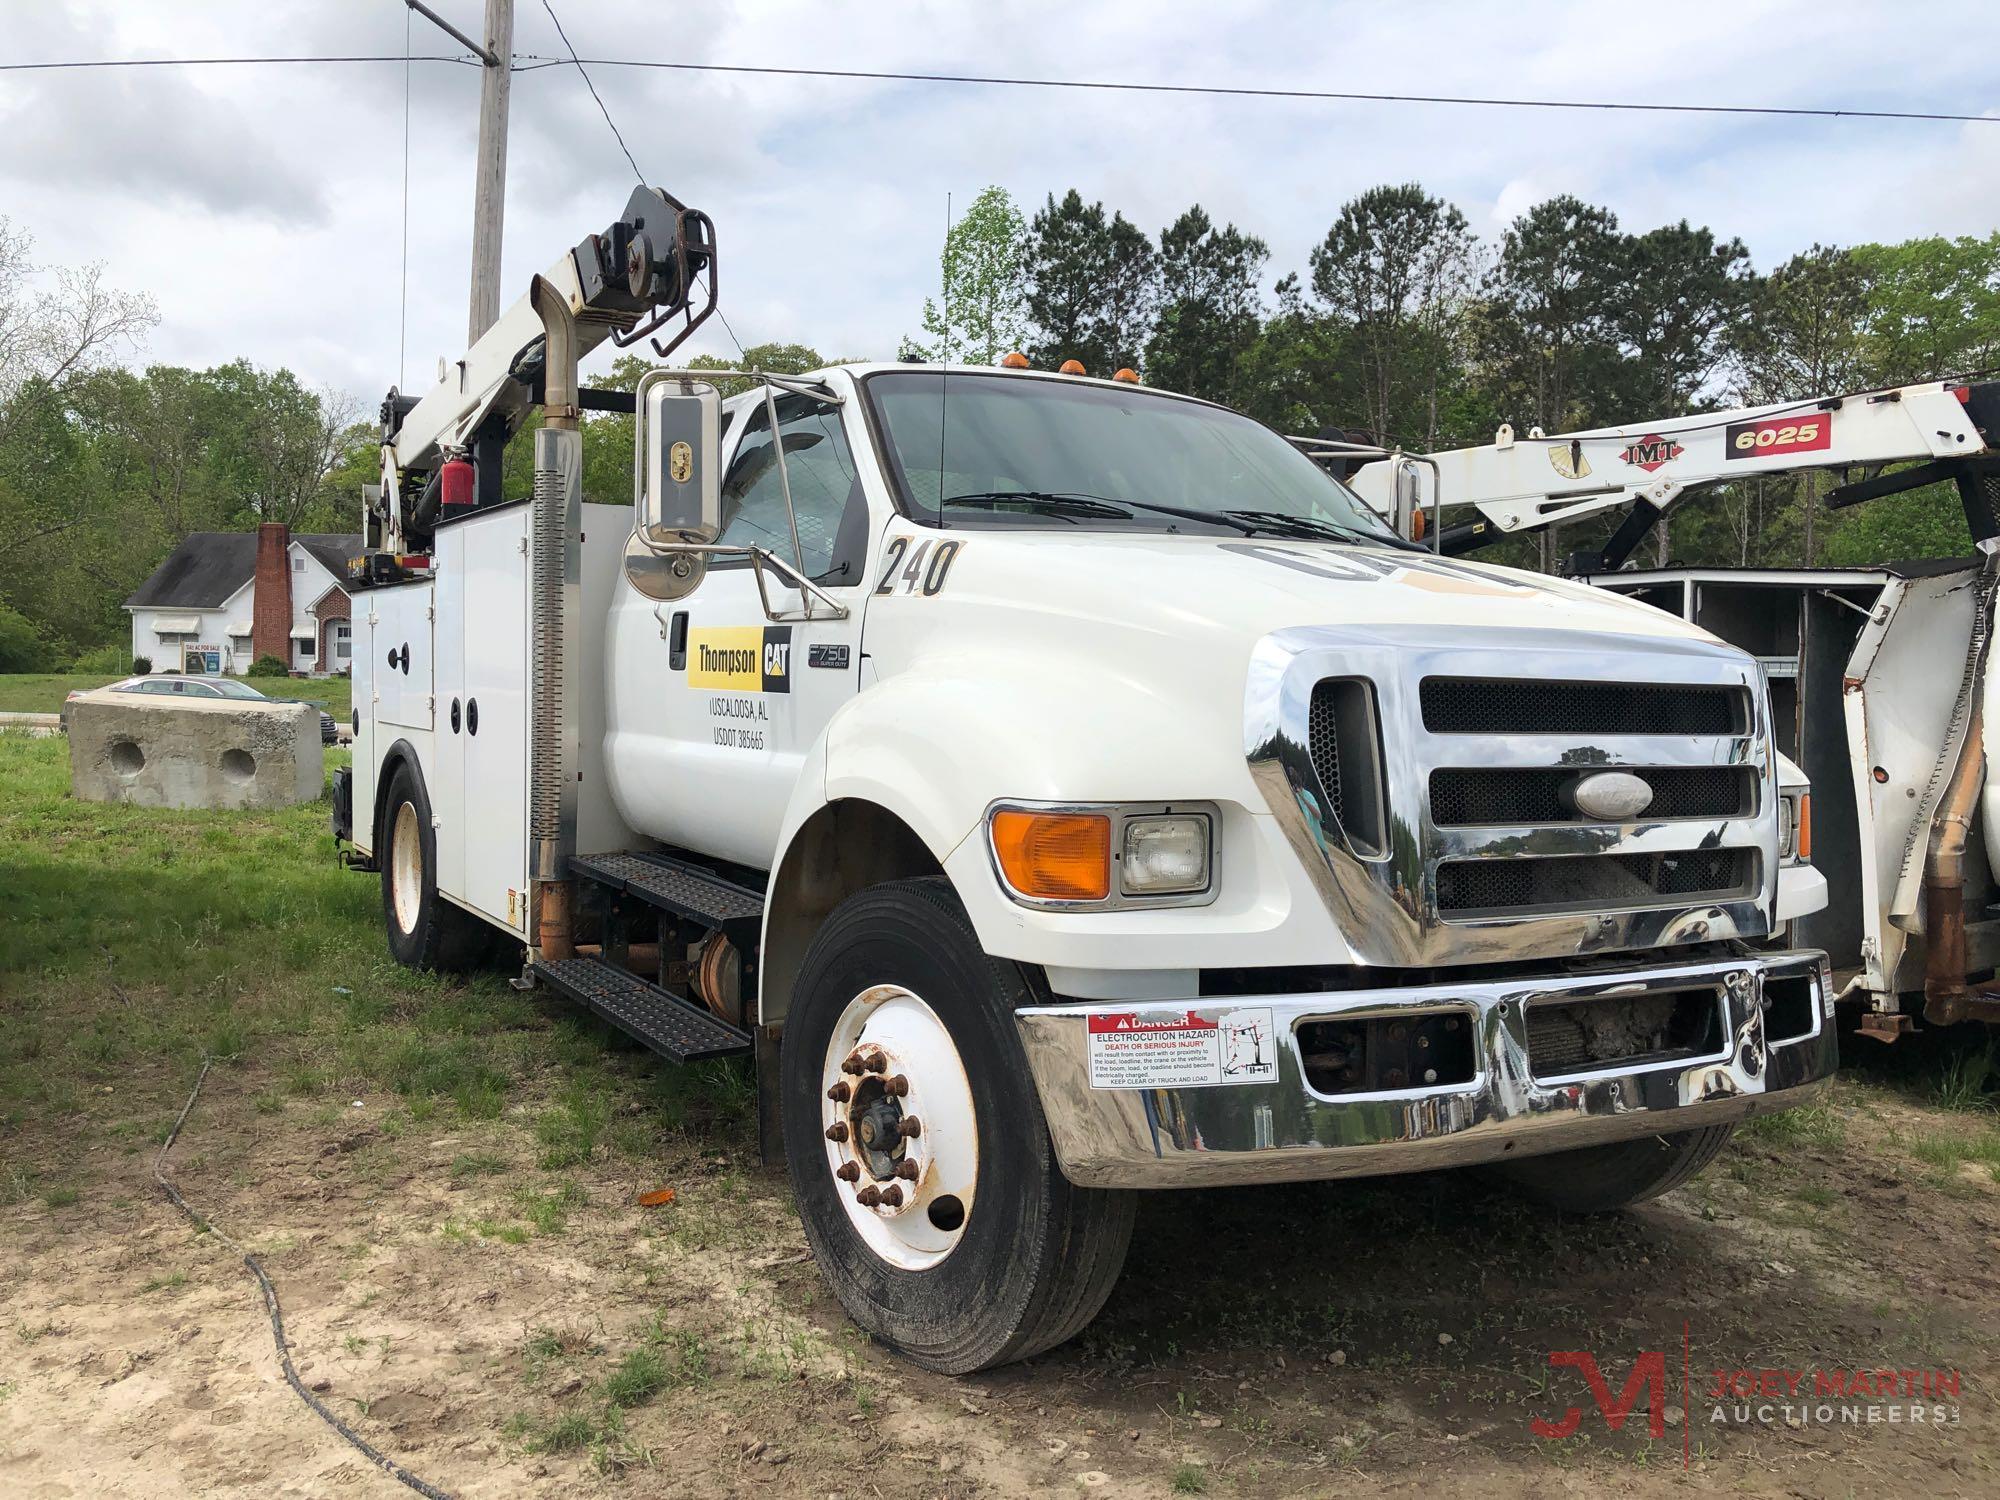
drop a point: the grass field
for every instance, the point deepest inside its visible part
(43, 692)
(444, 1178)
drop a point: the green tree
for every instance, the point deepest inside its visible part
(1092, 286)
(1396, 268)
(1933, 308)
(1210, 308)
(984, 310)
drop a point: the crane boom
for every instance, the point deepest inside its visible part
(1521, 484)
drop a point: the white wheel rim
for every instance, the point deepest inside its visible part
(406, 867)
(897, 1041)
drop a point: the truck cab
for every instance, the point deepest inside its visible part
(1065, 789)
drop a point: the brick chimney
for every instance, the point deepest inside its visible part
(271, 610)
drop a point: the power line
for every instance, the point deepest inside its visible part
(529, 63)
(1226, 91)
(222, 62)
(593, 93)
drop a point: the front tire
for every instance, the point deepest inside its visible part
(1603, 1179)
(930, 1192)
(425, 930)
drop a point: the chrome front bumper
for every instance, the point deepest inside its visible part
(1281, 1129)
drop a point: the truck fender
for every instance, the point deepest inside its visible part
(903, 775)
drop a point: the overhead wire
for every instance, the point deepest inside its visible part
(223, 62)
(593, 93)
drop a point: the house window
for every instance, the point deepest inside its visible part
(307, 646)
(298, 565)
(343, 642)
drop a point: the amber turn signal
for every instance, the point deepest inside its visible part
(1804, 838)
(1054, 856)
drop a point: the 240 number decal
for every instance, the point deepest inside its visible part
(925, 571)
(1775, 435)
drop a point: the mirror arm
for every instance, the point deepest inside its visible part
(784, 481)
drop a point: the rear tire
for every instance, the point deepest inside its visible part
(1602, 1179)
(425, 930)
(897, 975)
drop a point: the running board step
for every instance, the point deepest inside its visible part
(642, 1010)
(684, 889)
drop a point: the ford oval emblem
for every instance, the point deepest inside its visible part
(1612, 796)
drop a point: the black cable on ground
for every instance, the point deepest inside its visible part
(381, 1460)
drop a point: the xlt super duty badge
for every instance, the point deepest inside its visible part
(747, 658)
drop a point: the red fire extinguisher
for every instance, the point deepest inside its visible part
(455, 482)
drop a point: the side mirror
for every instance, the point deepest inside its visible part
(1409, 504)
(679, 486)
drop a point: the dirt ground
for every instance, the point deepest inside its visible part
(502, 1331)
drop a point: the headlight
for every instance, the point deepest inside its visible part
(1103, 857)
(1165, 856)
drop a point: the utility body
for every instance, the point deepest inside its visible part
(1063, 788)
(1879, 676)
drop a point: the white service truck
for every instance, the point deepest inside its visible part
(1062, 788)
(1879, 676)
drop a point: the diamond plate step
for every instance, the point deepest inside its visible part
(686, 890)
(665, 1023)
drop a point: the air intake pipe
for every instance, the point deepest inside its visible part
(1947, 997)
(555, 540)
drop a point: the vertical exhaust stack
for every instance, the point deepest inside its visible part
(555, 541)
(1947, 997)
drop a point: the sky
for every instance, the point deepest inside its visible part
(262, 208)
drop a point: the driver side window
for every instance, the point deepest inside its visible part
(826, 492)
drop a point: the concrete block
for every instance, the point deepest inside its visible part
(194, 752)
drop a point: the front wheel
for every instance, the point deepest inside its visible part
(1601, 1179)
(918, 1153)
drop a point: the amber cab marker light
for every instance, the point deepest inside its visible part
(1070, 367)
(1054, 856)
(1015, 361)
(1802, 840)
(1128, 375)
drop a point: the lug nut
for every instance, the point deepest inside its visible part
(899, 1085)
(907, 1170)
(839, 1093)
(871, 1195)
(891, 1196)
(909, 1127)
(837, 1131)
(847, 1171)
(851, 1063)
(877, 1064)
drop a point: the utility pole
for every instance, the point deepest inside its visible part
(489, 179)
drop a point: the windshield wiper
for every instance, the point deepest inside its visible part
(1284, 522)
(1046, 501)
(1075, 502)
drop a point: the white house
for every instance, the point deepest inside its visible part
(224, 598)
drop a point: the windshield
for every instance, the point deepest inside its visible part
(995, 450)
(230, 689)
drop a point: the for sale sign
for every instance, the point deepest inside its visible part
(1180, 1049)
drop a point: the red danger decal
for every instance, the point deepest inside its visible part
(1110, 1023)
(1775, 435)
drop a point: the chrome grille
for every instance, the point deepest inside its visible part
(1505, 705)
(1583, 881)
(1515, 795)
(1472, 744)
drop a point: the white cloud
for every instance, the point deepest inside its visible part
(262, 207)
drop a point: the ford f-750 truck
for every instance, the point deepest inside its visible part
(1062, 788)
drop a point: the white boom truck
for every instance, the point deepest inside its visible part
(1879, 676)
(1061, 788)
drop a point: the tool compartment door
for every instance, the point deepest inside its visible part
(483, 712)
(401, 657)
